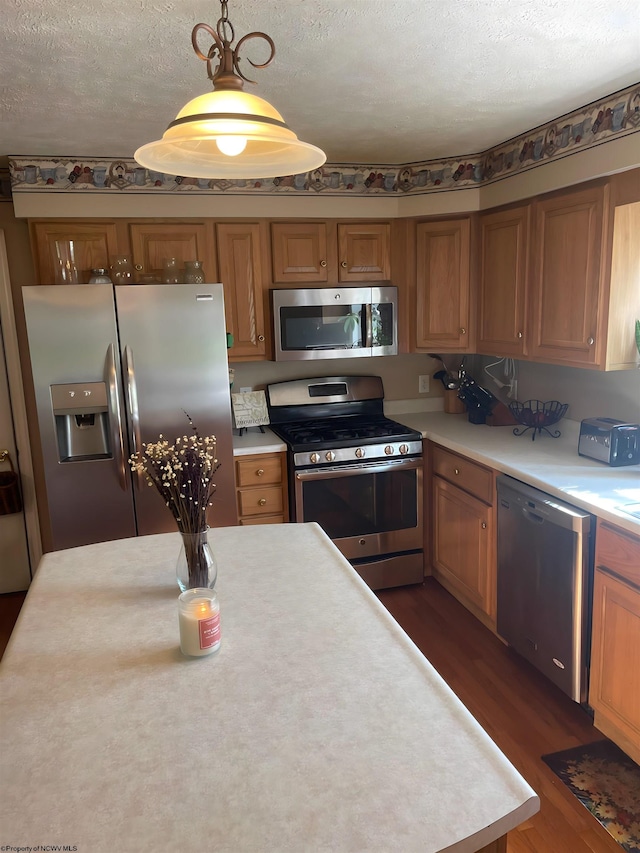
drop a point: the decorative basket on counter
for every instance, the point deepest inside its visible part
(538, 416)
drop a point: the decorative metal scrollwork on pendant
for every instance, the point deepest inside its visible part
(227, 73)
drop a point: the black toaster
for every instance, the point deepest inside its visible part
(611, 441)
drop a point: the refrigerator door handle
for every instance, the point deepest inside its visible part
(132, 400)
(114, 417)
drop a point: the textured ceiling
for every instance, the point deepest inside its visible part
(368, 81)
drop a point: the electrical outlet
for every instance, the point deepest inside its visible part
(423, 384)
(246, 390)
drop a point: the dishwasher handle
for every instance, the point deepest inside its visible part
(532, 516)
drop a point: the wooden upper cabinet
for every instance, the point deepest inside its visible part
(443, 285)
(502, 286)
(153, 242)
(240, 262)
(321, 253)
(299, 252)
(61, 247)
(364, 252)
(565, 288)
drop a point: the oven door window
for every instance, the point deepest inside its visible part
(318, 327)
(360, 505)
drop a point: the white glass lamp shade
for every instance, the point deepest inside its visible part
(258, 142)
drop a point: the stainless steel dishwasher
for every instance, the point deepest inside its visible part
(545, 569)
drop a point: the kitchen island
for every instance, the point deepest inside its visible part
(318, 726)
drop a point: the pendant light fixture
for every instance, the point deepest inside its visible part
(229, 133)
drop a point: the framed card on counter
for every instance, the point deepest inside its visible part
(249, 409)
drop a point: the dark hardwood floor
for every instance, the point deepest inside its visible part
(525, 714)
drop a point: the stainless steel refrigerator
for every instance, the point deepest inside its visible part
(113, 368)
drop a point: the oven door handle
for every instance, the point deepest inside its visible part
(353, 470)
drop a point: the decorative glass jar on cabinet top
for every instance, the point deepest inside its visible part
(193, 272)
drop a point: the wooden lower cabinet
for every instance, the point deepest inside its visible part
(463, 557)
(614, 692)
(261, 482)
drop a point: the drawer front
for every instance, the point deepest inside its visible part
(268, 501)
(467, 475)
(618, 551)
(255, 471)
(262, 519)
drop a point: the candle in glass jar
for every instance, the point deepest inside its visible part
(199, 621)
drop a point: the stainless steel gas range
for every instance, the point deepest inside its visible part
(355, 472)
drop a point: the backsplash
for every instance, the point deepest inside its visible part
(399, 373)
(589, 393)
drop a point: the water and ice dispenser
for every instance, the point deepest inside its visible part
(82, 421)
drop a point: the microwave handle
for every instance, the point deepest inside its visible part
(368, 342)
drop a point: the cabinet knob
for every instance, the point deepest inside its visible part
(259, 472)
(463, 331)
(456, 470)
(590, 341)
(323, 263)
(484, 525)
(138, 267)
(343, 265)
(262, 501)
(261, 338)
(519, 334)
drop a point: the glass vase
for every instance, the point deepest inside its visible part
(121, 270)
(171, 271)
(196, 566)
(193, 272)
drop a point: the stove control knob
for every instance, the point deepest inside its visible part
(389, 450)
(359, 452)
(330, 456)
(404, 449)
(315, 457)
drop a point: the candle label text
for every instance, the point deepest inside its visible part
(209, 631)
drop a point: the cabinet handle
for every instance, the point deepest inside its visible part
(138, 267)
(262, 501)
(259, 472)
(463, 331)
(343, 265)
(590, 341)
(456, 470)
(484, 525)
(261, 338)
(323, 263)
(519, 334)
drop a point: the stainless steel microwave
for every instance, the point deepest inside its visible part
(335, 322)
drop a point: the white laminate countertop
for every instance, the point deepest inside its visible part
(318, 726)
(254, 441)
(549, 464)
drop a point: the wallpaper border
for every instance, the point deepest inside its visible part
(609, 118)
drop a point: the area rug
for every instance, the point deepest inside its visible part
(607, 782)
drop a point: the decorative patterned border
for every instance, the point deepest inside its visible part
(615, 116)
